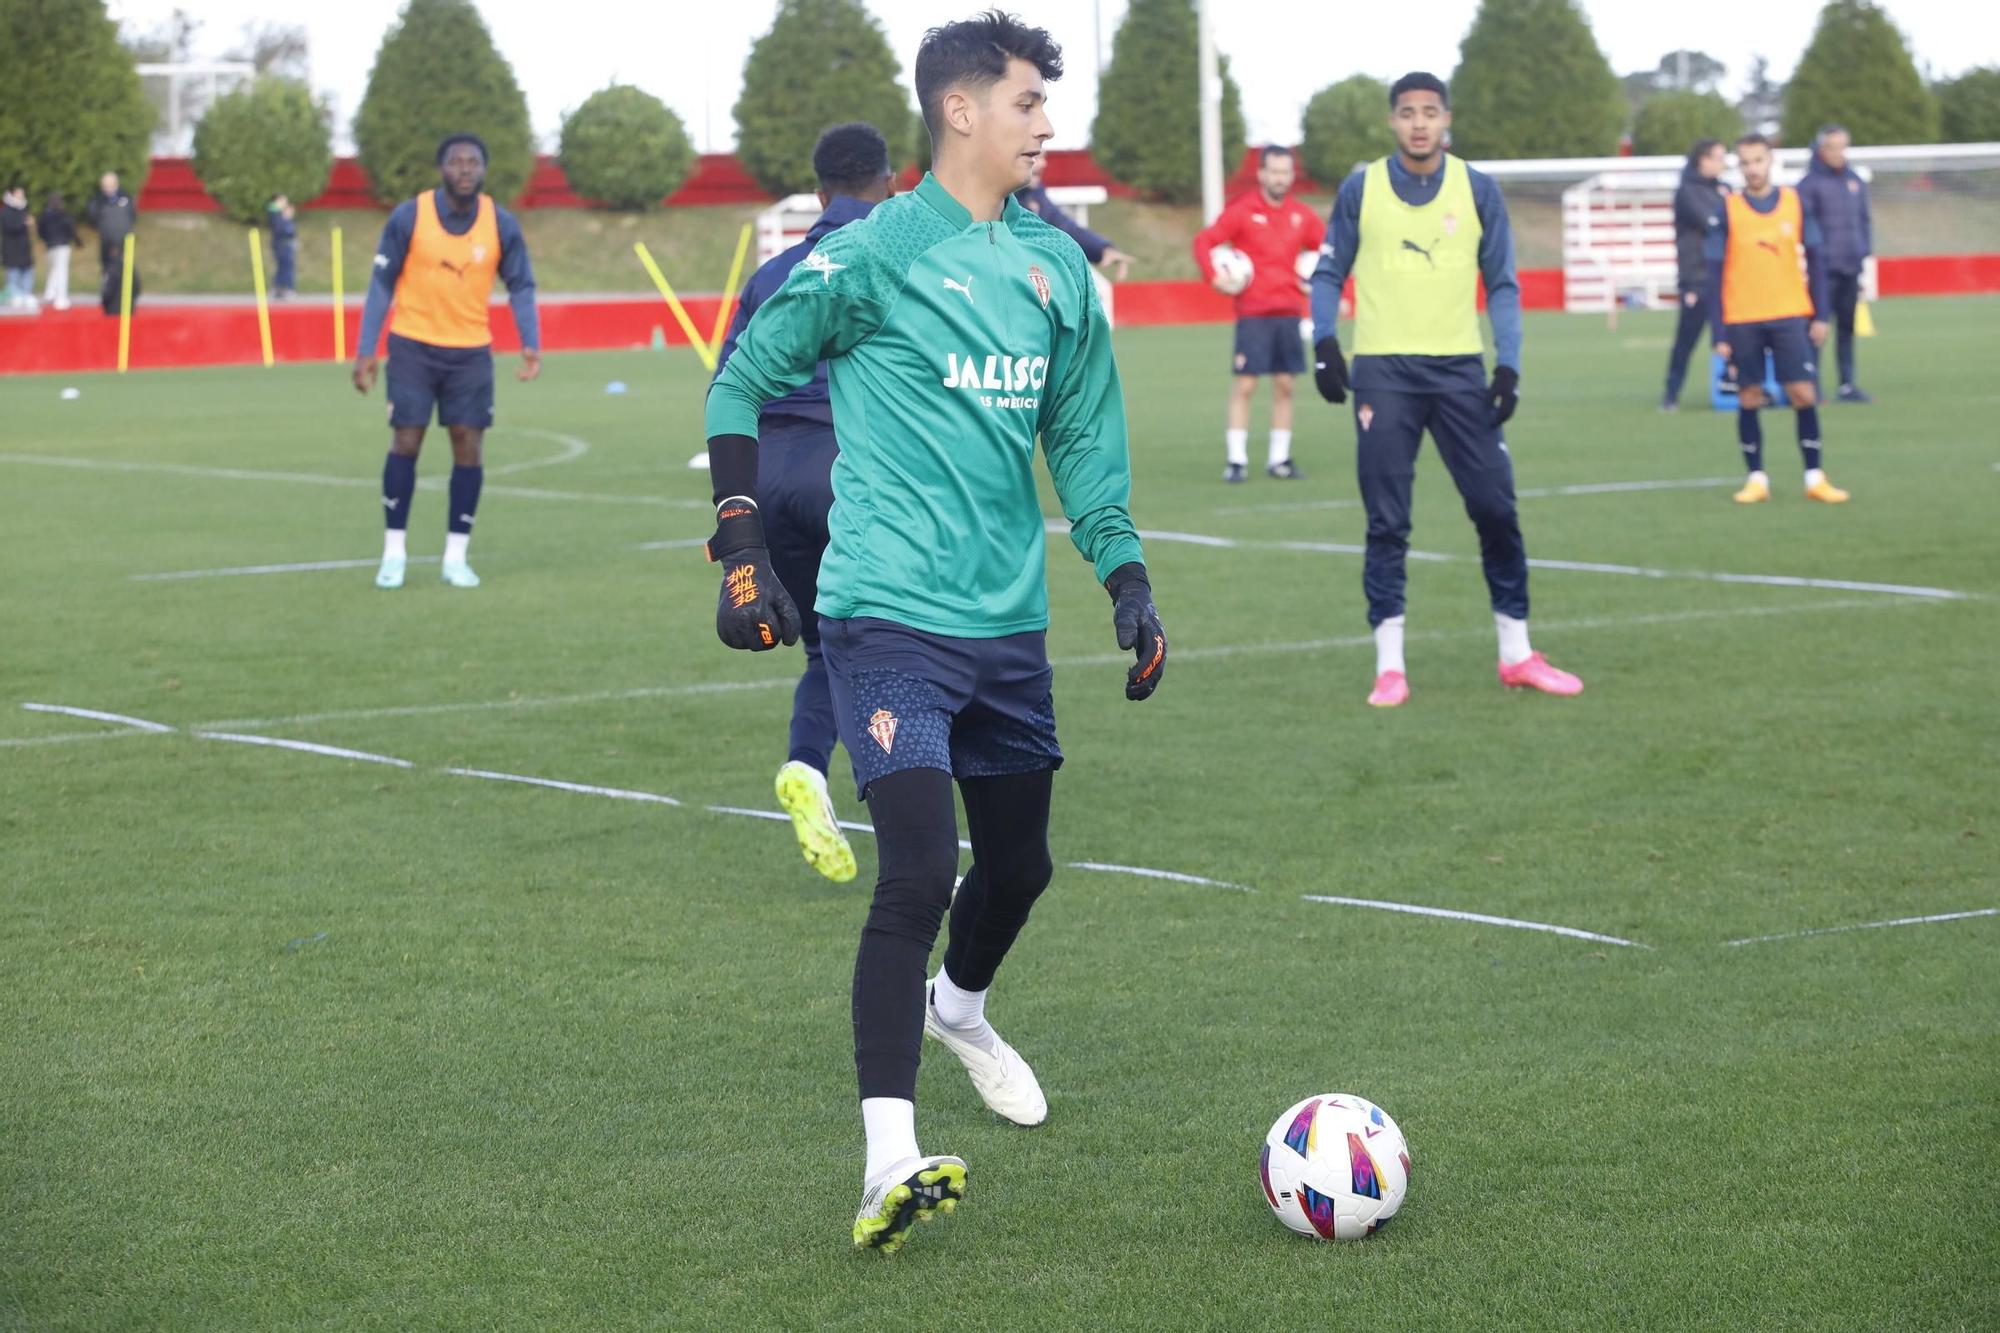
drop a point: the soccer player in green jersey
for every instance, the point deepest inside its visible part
(958, 328)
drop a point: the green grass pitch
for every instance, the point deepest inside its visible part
(296, 1040)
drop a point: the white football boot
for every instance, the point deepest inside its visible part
(913, 1190)
(1001, 1076)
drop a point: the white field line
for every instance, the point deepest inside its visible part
(1869, 925)
(303, 567)
(1532, 493)
(324, 479)
(135, 724)
(1183, 654)
(572, 449)
(615, 793)
(1480, 917)
(307, 747)
(1574, 566)
(1174, 875)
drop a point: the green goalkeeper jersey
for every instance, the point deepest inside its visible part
(951, 345)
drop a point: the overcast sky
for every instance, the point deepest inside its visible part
(690, 53)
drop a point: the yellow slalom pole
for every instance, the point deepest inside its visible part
(125, 306)
(722, 311)
(263, 306)
(674, 304)
(339, 304)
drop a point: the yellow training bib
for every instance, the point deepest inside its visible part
(1416, 274)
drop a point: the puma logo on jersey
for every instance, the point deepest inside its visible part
(453, 269)
(963, 289)
(820, 264)
(1412, 245)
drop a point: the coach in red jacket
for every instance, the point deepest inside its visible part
(1273, 230)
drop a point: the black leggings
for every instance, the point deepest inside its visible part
(916, 836)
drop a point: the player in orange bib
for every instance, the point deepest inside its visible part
(436, 263)
(1764, 299)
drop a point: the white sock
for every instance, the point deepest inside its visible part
(1389, 645)
(454, 547)
(1814, 476)
(1281, 446)
(1762, 476)
(1239, 446)
(395, 541)
(891, 1125)
(1514, 648)
(958, 1008)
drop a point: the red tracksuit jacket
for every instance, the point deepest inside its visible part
(1272, 237)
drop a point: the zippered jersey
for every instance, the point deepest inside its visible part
(950, 346)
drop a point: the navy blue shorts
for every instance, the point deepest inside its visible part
(1785, 339)
(456, 382)
(1269, 345)
(904, 698)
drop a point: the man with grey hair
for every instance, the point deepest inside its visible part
(1837, 195)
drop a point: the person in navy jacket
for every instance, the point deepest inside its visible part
(1838, 197)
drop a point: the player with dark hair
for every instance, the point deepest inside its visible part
(1099, 250)
(796, 449)
(1273, 230)
(957, 328)
(436, 263)
(1697, 199)
(1420, 230)
(1762, 304)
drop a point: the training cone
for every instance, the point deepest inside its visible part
(659, 339)
(1864, 321)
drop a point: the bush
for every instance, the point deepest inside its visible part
(267, 137)
(71, 107)
(1670, 122)
(437, 73)
(1346, 123)
(821, 63)
(1148, 127)
(1531, 83)
(625, 149)
(1969, 106)
(1857, 72)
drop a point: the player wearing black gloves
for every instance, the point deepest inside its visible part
(1419, 231)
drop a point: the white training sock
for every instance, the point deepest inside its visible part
(1814, 476)
(891, 1125)
(1389, 645)
(1760, 476)
(1281, 446)
(958, 1008)
(454, 547)
(1514, 648)
(1238, 442)
(395, 541)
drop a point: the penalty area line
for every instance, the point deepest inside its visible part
(1481, 917)
(1868, 925)
(131, 723)
(305, 747)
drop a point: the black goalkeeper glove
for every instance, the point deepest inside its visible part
(1139, 630)
(1330, 370)
(754, 611)
(1505, 394)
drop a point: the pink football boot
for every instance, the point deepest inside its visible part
(1537, 674)
(1392, 688)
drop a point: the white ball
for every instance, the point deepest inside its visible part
(1335, 1167)
(71, 395)
(1233, 269)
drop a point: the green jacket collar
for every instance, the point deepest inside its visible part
(954, 212)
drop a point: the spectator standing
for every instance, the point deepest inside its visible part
(285, 243)
(58, 232)
(1697, 203)
(114, 215)
(1836, 194)
(17, 251)
(1097, 249)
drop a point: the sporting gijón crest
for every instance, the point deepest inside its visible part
(1041, 281)
(882, 727)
